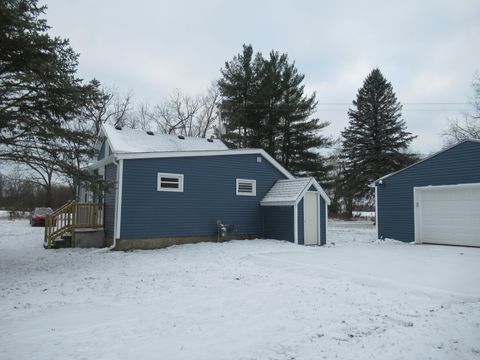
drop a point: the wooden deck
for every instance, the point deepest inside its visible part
(66, 222)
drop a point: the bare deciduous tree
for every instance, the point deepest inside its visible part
(176, 114)
(143, 118)
(208, 114)
(121, 107)
(469, 126)
(185, 115)
(113, 107)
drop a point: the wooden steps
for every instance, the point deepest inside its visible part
(63, 225)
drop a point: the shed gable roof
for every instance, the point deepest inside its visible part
(477, 142)
(129, 140)
(291, 191)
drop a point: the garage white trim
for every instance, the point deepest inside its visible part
(447, 214)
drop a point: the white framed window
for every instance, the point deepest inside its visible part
(245, 187)
(169, 182)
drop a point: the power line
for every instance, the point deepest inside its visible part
(438, 110)
(404, 103)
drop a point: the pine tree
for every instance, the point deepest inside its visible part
(299, 135)
(264, 105)
(375, 142)
(39, 91)
(238, 87)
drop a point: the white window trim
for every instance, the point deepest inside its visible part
(178, 176)
(250, 181)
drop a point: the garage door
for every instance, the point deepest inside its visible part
(448, 214)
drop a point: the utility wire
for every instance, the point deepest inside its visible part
(403, 103)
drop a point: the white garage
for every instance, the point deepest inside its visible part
(448, 214)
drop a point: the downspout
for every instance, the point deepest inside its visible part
(118, 203)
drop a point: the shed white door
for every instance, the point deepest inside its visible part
(311, 217)
(448, 215)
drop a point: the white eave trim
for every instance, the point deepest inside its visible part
(317, 187)
(441, 187)
(295, 201)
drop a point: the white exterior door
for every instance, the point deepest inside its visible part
(311, 218)
(448, 214)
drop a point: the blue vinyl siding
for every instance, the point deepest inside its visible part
(208, 196)
(279, 223)
(458, 165)
(323, 222)
(109, 201)
(301, 233)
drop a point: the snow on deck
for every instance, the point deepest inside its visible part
(136, 141)
(356, 298)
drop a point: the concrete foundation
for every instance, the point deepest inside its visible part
(163, 242)
(89, 238)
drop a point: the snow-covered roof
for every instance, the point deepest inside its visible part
(129, 140)
(290, 191)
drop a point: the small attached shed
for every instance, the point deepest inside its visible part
(436, 200)
(296, 210)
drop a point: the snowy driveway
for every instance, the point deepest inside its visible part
(262, 299)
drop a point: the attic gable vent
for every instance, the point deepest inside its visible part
(181, 137)
(246, 187)
(150, 132)
(118, 127)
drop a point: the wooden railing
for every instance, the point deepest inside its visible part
(72, 216)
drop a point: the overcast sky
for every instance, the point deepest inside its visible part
(428, 50)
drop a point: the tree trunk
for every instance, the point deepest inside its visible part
(48, 195)
(349, 207)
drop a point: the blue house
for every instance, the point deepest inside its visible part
(173, 189)
(436, 200)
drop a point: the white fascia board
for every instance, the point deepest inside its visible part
(440, 187)
(173, 154)
(317, 187)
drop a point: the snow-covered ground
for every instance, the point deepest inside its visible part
(357, 298)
